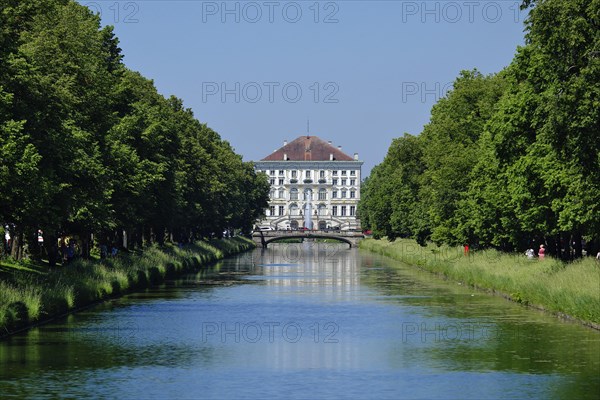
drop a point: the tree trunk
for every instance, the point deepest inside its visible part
(119, 238)
(16, 251)
(51, 246)
(86, 244)
(152, 235)
(160, 235)
(554, 245)
(566, 245)
(578, 244)
(125, 242)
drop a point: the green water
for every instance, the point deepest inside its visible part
(311, 320)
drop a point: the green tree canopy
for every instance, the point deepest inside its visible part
(88, 146)
(508, 159)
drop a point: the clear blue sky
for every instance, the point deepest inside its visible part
(368, 71)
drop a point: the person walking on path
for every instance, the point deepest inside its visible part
(541, 252)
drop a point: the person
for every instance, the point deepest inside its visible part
(598, 257)
(103, 250)
(62, 248)
(70, 251)
(541, 252)
(466, 250)
(530, 254)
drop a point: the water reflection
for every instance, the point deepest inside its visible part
(331, 268)
(307, 320)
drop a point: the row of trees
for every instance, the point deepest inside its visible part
(510, 159)
(88, 146)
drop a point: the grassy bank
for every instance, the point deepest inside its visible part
(31, 293)
(571, 289)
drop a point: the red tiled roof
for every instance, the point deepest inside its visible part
(308, 148)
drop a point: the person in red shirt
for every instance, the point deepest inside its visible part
(541, 252)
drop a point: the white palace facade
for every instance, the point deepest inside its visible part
(314, 185)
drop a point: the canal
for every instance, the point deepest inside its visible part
(297, 321)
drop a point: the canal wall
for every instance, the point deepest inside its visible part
(566, 290)
(28, 299)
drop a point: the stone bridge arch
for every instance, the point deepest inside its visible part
(263, 238)
(307, 236)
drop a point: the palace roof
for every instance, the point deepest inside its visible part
(308, 148)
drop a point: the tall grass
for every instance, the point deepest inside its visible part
(567, 288)
(27, 297)
(18, 303)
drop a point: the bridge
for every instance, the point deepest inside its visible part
(263, 238)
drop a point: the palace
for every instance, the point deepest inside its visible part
(314, 185)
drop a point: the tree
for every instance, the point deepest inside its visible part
(89, 146)
(511, 158)
(450, 150)
(545, 135)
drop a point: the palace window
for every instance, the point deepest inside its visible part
(281, 210)
(334, 211)
(307, 175)
(352, 211)
(344, 182)
(294, 174)
(334, 194)
(322, 194)
(335, 182)
(294, 194)
(352, 173)
(343, 211)
(280, 172)
(282, 193)
(343, 172)
(294, 210)
(281, 181)
(334, 173)
(271, 172)
(322, 210)
(272, 181)
(353, 182)
(343, 194)
(272, 210)
(321, 174)
(352, 194)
